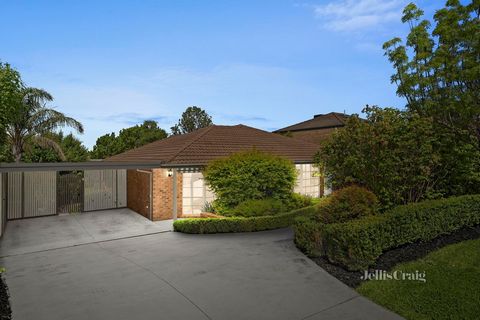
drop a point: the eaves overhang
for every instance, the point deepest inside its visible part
(72, 166)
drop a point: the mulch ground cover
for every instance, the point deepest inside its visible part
(406, 253)
(5, 311)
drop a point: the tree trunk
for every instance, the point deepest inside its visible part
(17, 152)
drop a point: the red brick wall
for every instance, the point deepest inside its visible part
(163, 195)
(138, 192)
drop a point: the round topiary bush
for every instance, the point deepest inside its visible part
(250, 175)
(347, 204)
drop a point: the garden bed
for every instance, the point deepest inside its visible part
(5, 311)
(405, 253)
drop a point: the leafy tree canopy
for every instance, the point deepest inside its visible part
(104, 147)
(72, 148)
(10, 95)
(140, 135)
(25, 118)
(432, 148)
(438, 72)
(192, 119)
(32, 121)
(129, 138)
(401, 156)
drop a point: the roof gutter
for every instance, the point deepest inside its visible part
(200, 166)
(186, 165)
(99, 165)
(71, 166)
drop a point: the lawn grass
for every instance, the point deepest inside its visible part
(451, 290)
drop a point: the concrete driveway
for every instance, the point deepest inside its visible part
(177, 276)
(38, 234)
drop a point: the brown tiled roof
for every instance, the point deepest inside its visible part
(319, 121)
(203, 145)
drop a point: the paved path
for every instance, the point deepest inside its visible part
(176, 276)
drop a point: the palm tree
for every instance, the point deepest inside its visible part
(32, 121)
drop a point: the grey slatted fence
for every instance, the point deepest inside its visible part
(31, 194)
(3, 202)
(104, 189)
(41, 193)
(15, 195)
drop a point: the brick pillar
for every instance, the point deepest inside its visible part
(163, 195)
(138, 192)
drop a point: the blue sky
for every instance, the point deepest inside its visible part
(268, 64)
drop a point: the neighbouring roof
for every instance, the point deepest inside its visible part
(319, 121)
(201, 146)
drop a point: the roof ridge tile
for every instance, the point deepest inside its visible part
(201, 134)
(206, 144)
(336, 114)
(277, 135)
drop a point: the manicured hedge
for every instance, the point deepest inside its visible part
(346, 204)
(358, 243)
(238, 224)
(308, 235)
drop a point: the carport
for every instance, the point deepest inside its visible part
(31, 190)
(161, 180)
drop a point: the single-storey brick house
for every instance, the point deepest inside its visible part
(177, 188)
(317, 129)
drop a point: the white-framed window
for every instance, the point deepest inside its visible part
(195, 193)
(308, 180)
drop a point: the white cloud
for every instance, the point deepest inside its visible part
(355, 15)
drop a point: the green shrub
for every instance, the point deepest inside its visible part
(249, 175)
(357, 244)
(297, 201)
(347, 204)
(269, 206)
(260, 207)
(239, 224)
(343, 205)
(308, 235)
(219, 207)
(319, 201)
